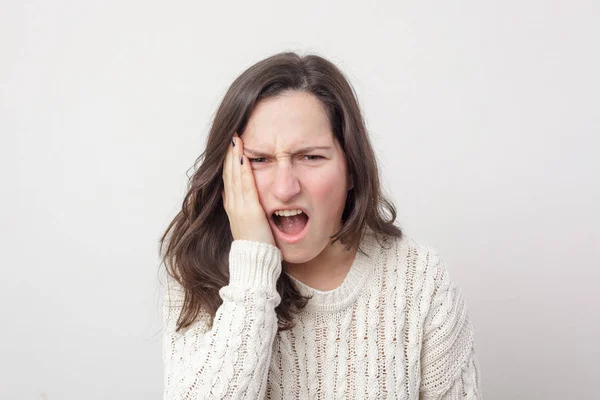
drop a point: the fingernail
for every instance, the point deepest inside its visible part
(242, 160)
(233, 142)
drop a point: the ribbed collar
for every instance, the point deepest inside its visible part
(357, 277)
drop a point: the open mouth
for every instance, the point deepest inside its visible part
(290, 224)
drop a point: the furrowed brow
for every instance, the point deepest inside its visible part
(308, 149)
(312, 148)
(255, 153)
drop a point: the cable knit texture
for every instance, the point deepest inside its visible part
(397, 328)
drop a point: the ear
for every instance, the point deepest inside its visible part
(350, 182)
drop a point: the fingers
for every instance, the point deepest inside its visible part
(239, 185)
(249, 190)
(247, 219)
(236, 170)
(228, 192)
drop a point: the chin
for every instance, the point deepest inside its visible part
(294, 254)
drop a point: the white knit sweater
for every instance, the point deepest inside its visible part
(397, 328)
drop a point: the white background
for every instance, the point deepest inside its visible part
(484, 116)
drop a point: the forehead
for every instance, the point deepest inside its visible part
(288, 120)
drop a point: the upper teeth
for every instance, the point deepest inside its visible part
(287, 213)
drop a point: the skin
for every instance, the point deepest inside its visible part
(278, 172)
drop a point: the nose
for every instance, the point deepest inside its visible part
(286, 184)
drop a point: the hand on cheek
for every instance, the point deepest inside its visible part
(247, 218)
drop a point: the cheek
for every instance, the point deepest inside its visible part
(318, 186)
(326, 186)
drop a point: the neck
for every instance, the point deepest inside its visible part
(327, 270)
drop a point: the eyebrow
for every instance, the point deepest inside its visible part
(302, 150)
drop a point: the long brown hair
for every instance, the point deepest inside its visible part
(198, 239)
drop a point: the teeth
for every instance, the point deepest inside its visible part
(287, 213)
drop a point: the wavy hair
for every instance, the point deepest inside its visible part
(195, 246)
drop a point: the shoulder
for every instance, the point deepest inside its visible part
(416, 269)
(404, 253)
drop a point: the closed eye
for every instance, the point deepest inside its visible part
(312, 157)
(257, 160)
(262, 160)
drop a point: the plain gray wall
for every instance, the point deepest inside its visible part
(484, 115)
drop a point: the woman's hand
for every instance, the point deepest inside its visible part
(247, 218)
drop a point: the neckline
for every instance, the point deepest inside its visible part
(344, 295)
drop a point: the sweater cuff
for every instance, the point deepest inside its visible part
(254, 264)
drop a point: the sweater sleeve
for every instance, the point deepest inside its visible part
(229, 360)
(449, 368)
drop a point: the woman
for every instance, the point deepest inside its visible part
(287, 276)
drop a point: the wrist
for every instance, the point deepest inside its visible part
(254, 264)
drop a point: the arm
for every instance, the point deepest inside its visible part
(449, 369)
(231, 359)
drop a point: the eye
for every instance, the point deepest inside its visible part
(311, 157)
(258, 160)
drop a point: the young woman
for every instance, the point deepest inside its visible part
(287, 278)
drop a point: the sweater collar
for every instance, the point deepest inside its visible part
(344, 295)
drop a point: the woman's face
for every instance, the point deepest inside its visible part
(297, 165)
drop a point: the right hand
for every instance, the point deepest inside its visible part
(247, 219)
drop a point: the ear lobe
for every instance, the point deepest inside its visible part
(350, 182)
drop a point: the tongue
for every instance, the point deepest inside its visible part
(293, 225)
